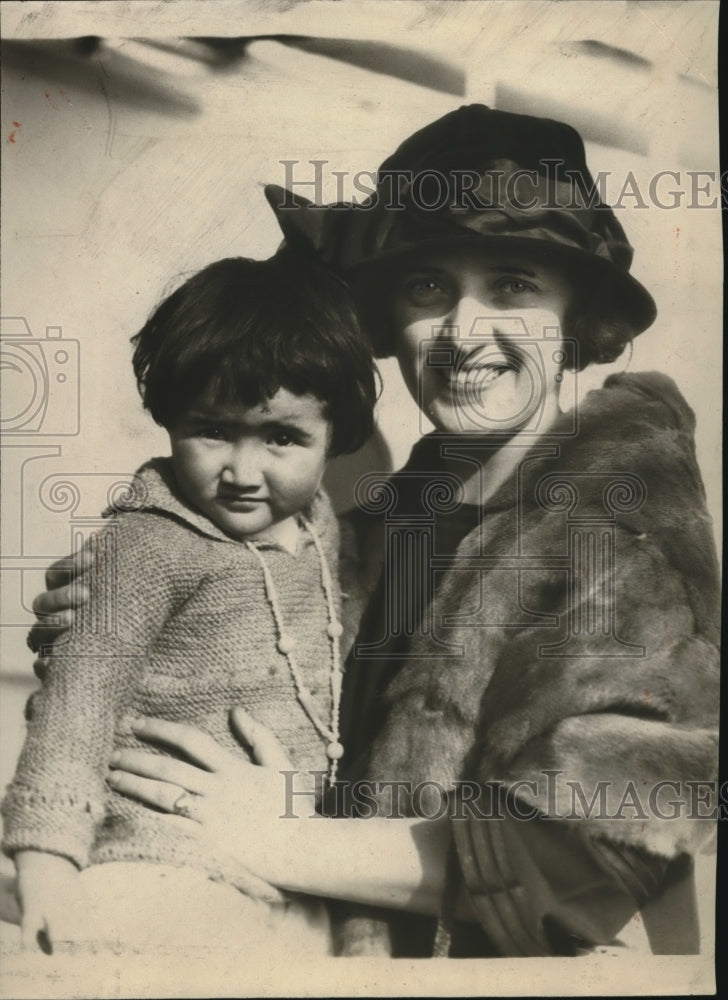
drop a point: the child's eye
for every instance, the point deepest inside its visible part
(211, 431)
(282, 439)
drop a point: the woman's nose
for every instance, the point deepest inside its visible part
(469, 316)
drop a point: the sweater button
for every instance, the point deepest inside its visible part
(286, 644)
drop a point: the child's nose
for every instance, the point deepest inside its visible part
(243, 468)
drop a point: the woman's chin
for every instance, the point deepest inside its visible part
(494, 417)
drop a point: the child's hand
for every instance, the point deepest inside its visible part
(56, 914)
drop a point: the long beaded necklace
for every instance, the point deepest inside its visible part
(287, 645)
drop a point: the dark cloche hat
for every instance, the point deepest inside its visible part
(482, 175)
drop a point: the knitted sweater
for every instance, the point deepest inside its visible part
(179, 627)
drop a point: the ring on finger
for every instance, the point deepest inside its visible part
(184, 805)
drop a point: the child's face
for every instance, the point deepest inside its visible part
(251, 470)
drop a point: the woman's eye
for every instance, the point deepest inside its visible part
(282, 439)
(516, 286)
(495, 371)
(424, 290)
(424, 285)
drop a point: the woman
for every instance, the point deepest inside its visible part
(536, 671)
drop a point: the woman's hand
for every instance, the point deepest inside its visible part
(236, 806)
(267, 822)
(54, 608)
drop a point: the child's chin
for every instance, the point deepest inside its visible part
(245, 528)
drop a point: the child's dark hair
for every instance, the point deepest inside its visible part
(243, 329)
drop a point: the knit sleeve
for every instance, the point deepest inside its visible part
(56, 798)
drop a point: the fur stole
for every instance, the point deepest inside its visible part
(581, 625)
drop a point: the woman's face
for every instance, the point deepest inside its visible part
(479, 338)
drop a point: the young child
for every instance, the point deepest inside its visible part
(218, 589)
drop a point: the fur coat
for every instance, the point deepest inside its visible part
(570, 647)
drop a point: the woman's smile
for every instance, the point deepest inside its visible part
(473, 346)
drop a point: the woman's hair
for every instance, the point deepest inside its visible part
(243, 329)
(592, 336)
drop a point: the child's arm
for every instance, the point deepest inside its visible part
(57, 798)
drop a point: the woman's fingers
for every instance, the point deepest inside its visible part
(68, 568)
(54, 611)
(197, 746)
(54, 607)
(40, 664)
(159, 794)
(61, 599)
(43, 634)
(163, 769)
(264, 746)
